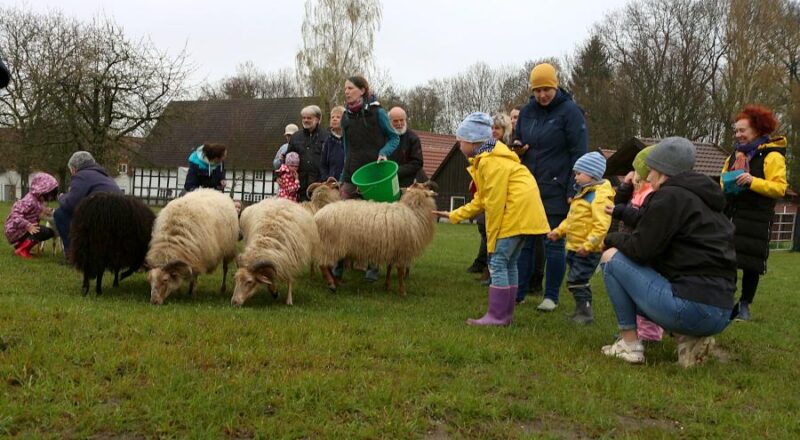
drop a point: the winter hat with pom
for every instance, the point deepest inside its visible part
(293, 159)
(593, 164)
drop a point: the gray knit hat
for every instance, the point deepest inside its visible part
(671, 156)
(593, 164)
(80, 159)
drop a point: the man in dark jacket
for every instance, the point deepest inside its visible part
(409, 152)
(550, 136)
(87, 178)
(308, 144)
(678, 266)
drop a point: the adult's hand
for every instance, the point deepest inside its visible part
(381, 158)
(744, 179)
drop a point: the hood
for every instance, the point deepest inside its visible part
(602, 187)
(776, 143)
(43, 183)
(701, 185)
(500, 150)
(198, 158)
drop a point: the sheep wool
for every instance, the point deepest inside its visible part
(191, 236)
(380, 233)
(280, 238)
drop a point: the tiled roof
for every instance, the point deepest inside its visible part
(252, 129)
(709, 158)
(435, 148)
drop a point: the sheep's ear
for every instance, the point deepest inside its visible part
(311, 188)
(263, 270)
(431, 185)
(178, 269)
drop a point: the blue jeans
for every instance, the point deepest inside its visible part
(503, 262)
(555, 253)
(580, 274)
(634, 288)
(62, 220)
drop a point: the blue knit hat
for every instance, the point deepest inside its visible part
(477, 127)
(593, 164)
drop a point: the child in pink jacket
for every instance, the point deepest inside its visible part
(22, 225)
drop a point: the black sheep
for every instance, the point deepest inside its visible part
(109, 232)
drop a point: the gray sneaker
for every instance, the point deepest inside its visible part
(548, 305)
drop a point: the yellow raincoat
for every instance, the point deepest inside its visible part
(507, 193)
(774, 183)
(587, 223)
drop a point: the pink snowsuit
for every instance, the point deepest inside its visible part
(26, 211)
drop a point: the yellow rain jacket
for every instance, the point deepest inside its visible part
(587, 223)
(774, 183)
(507, 193)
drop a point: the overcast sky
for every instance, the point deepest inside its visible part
(418, 40)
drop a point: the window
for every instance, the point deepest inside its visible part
(782, 234)
(457, 202)
(122, 168)
(164, 193)
(259, 175)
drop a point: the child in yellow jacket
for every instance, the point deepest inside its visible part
(508, 194)
(585, 227)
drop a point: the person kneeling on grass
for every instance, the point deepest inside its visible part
(22, 225)
(678, 267)
(508, 195)
(585, 227)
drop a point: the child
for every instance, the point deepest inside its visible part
(631, 195)
(288, 177)
(22, 225)
(508, 194)
(585, 227)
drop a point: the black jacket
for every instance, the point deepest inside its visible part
(623, 210)
(308, 145)
(409, 156)
(684, 235)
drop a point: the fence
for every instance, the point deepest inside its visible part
(157, 186)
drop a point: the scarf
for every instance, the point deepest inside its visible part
(745, 152)
(486, 147)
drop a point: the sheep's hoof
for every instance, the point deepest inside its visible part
(274, 295)
(332, 288)
(84, 291)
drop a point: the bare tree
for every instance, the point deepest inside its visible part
(250, 82)
(338, 39)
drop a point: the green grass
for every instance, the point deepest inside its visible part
(363, 363)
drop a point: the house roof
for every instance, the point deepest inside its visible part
(435, 149)
(252, 129)
(709, 158)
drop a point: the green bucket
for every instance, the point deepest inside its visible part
(377, 181)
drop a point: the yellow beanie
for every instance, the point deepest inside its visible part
(544, 75)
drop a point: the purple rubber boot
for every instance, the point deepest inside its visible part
(499, 312)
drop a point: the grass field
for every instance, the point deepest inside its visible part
(363, 363)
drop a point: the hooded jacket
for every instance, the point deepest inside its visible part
(587, 223)
(508, 194)
(556, 137)
(88, 180)
(26, 211)
(202, 173)
(752, 210)
(684, 235)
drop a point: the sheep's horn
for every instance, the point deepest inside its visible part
(332, 180)
(311, 188)
(178, 267)
(263, 267)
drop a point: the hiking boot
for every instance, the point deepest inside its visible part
(475, 268)
(744, 311)
(694, 350)
(583, 312)
(632, 352)
(547, 305)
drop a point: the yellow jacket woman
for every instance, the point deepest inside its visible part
(507, 192)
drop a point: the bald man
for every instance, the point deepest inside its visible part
(409, 153)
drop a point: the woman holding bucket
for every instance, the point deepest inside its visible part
(759, 167)
(367, 134)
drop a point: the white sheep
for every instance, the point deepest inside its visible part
(394, 234)
(191, 235)
(321, 194)
(280, 238)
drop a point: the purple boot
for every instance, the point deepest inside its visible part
(499, 312)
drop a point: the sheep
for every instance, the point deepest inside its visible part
(56, 245)
(381, 233)
(321, 194)
(280, 238)
(109, 231)
(192, 234)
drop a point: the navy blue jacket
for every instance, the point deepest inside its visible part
(557, 137)
(331, 163)
(88, 180)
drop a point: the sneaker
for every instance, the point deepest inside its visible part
(371, 275)
(694, 350)
(632, 353)
(744, 311)
(548, 305)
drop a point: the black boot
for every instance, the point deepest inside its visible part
(583, 312)
(744, 311)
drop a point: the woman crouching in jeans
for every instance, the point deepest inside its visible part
(678, 266)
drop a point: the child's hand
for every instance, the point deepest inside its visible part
(553, 235)
(582, 252)
(32, 228)
(442, 214)
(629, 177)
(609, 209)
